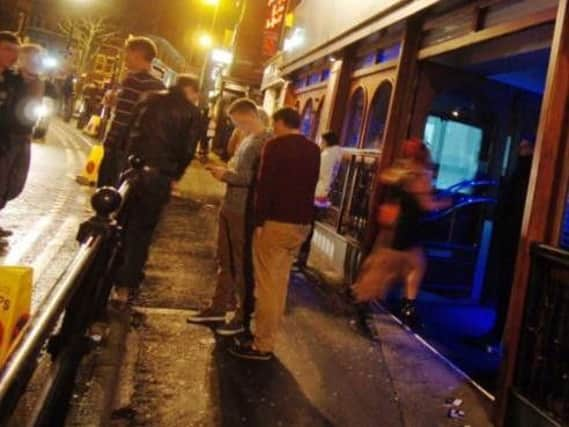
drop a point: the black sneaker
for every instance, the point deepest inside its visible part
(230, 329)
(208, 315)
(249, 352)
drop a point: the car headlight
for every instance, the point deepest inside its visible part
(41, 111)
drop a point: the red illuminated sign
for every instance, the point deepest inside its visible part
(276, 14)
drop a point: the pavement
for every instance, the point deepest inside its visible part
(156, 370)
(46, 217)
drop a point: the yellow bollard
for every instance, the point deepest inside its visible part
(90, 172)
(92, 128)
(15, 306)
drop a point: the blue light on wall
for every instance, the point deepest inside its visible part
(388, 54)
(565, 229)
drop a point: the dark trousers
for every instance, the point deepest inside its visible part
(113, 164)
(235, 282)
(14, 168)
(304, 253)
(144, 209)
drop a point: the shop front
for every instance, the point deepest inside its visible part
(485, 84)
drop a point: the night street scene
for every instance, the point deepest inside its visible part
(277, 213)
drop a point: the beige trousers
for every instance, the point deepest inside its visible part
(275, 247)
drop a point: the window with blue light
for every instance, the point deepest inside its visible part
(314, 79)
(388, 54)
(455, 149)
(306, 124)
(365, 61)
(564, 241)
(353, 126)
(326, 75)
(299, 83)
(378, 116)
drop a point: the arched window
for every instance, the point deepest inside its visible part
(307, 119)
(316, 120)
(378, 116)
(353, 126)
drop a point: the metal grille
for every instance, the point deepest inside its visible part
(356, 217)
(542, 371)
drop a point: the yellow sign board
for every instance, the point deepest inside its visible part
(91, 170)
(15, 306)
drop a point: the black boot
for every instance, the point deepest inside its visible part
(409, 315)
(363, 320)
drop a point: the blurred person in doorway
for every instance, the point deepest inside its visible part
(235, 282)
(164, 134)
(330, 159)
(139, 54)
(398, 255)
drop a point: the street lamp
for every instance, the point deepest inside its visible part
(205, 40)
(211, 2)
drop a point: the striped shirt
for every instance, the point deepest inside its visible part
(133, 87)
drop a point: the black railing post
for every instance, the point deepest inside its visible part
(81, 295)
(70, 344)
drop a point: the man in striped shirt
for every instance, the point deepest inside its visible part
(139, 53)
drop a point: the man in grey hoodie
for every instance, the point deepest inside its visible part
(235, 283)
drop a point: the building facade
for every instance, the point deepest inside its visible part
(476, 80)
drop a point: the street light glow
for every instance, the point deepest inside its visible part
(222, 56)
(205, 40)
(211, 2)
(295, 40)
(49, 62)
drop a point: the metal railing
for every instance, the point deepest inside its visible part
(62, 320)
(542, 370)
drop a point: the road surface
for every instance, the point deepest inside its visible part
(45, 218)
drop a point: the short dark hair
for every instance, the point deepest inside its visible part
(143, 45)
(289, 116)
(10, 37)
(185, 80)
(242, 105)
(331, 138)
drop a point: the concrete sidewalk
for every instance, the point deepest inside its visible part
(324, 373)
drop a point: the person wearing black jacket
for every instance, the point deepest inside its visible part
(164, 133)
(11, 84)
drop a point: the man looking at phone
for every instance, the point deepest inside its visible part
(235, 283)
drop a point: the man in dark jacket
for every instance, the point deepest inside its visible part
(21, 93)
(164, 134)
(10, 82)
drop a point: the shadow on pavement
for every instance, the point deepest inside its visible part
(260, 393)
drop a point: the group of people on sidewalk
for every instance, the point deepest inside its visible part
(278, 183)
(266, 213)
(162, 128)
(21, 94)
(264, 219)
